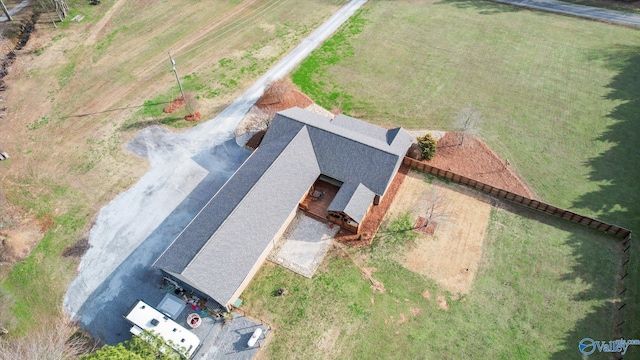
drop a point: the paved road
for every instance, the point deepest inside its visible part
(186, 170)
(612, 16)
(14, 10)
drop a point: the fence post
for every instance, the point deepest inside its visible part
(623, 291)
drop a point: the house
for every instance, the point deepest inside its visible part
(221, 249)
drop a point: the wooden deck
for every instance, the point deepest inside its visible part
(317, 208)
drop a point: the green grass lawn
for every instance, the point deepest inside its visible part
(559, 96)
(543, 83)
(531, 299)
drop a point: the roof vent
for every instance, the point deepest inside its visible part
(154, 322)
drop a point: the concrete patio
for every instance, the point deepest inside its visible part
(303, 245)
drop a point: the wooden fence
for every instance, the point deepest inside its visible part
(620, 232)
(519, 199)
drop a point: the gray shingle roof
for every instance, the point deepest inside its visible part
(353, 200)
(218, 249)
(351, 150)
(221, 205)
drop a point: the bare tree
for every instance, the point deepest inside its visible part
(467, 122)
(58, 341)
(438, 209)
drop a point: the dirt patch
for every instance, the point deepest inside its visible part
(402, 319)
(442, 303)
(475, 160)
(376, 285)
(426, 294)
(47, 222)
(327, 342)
(450, 257)
(17, 242)
(415, 311)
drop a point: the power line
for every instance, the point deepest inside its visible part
(173, 64)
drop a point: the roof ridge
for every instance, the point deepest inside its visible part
(389, 150)
(230, 215)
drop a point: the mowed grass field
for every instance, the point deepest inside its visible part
(547, 86)
(90, 87)
(539, 278)
(559, 96)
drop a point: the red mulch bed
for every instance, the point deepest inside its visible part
(475, 160)
(422, 226)
(175, 105)
(194, 116)
(371, 223)
(280, 96)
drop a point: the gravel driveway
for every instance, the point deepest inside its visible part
(136, 227)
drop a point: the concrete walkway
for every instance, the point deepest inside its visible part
(588, 12)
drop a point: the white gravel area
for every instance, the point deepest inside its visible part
(438, 134)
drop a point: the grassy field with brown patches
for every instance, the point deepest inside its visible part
(78, 93)
(451, 255)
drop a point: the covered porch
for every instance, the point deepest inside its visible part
(316, 203)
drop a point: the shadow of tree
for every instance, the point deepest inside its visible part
(595, 267)
(617, 200)
(137, 125)
(484, 7)
(618, 169)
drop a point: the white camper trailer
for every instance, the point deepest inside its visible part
(145, 317)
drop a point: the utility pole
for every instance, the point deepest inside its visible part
(173, 63)
(6, 12)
